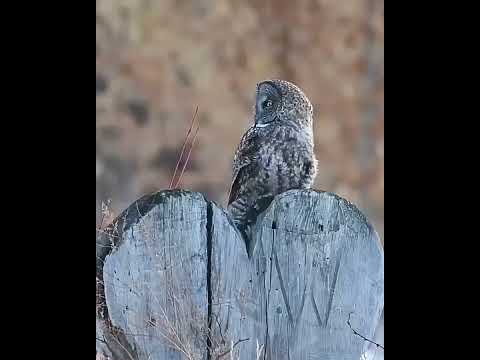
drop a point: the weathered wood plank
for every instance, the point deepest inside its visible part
(155, 281)
(316, 261)
(323, 262)
(179, 284)
(237, 311)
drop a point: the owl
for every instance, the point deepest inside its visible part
(274, 155)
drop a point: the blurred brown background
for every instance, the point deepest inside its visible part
(157, 60)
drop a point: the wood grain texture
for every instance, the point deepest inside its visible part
(179, 285)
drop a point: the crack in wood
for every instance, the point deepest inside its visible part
(209, 277)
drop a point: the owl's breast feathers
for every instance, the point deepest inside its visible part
(259, 146)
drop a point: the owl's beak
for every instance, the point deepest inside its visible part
(260, 124)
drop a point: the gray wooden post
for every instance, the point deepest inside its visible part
(174, 281)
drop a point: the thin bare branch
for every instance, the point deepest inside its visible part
(231, 349)
(183, 148)
(101, 340)
(363, 337)
(188, 156)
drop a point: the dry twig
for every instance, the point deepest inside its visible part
(183, 149)
(363, 337)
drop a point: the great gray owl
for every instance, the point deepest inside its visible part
(274, 155)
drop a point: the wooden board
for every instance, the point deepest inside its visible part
(179, 285)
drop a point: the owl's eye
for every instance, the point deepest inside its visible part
(267, 104)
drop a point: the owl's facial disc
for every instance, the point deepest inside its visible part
(267, 102)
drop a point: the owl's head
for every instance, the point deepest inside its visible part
(280, 100)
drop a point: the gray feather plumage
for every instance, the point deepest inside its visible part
(274, 155)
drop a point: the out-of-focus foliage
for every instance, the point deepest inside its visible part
(157, 60)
